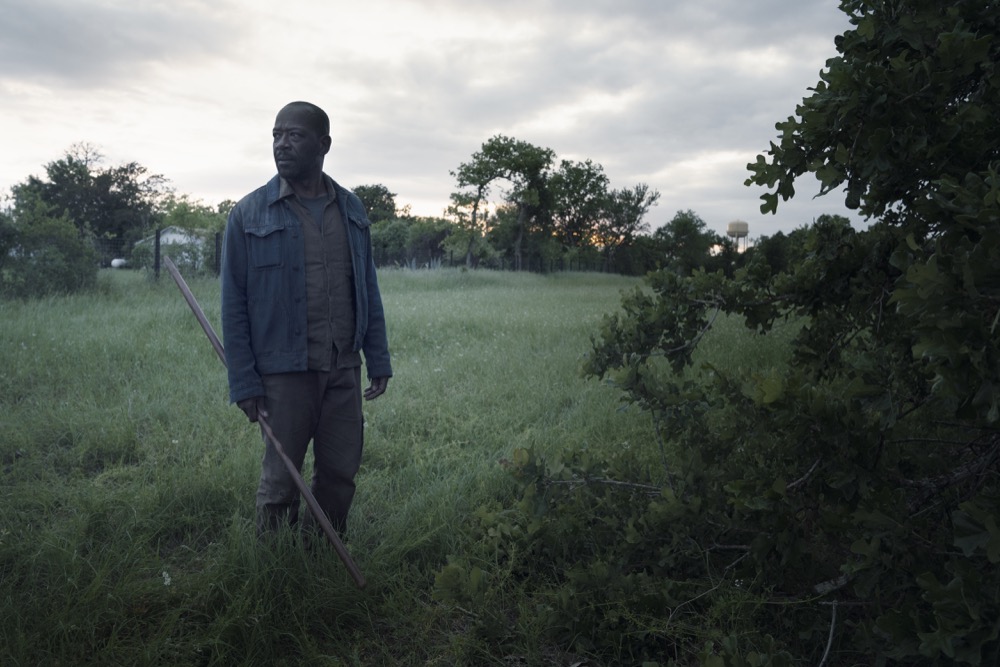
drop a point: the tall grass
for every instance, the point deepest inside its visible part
(127, 482)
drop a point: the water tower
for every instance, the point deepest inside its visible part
(738, 230)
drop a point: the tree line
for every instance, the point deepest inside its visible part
(515, 206)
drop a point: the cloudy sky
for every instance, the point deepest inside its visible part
(678, 94)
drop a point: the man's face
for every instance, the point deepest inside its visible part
(298, 147)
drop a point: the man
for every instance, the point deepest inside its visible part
(300, 303)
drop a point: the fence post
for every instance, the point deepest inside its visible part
(156, 255)
(218, 253)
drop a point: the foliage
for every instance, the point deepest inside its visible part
(579, 201)
(837, 507)
(42, 253)
(930, 69)
(184, 213)
(774, 250)
(624, 219)
(201, 224)
(642, 255)
(907, 106)
(389, 239)
(523, 168)
(115, 206)
(572, 205)
(424, 240)
(412, 242)
(379, 202)
(687, 241)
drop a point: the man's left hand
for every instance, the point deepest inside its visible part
(376, 388)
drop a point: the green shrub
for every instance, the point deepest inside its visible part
(44, 255)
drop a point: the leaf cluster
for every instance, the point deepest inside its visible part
(42, 253)
(909, 101)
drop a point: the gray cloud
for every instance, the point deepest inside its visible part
(696, 77)
(83, 44)
(654, 85)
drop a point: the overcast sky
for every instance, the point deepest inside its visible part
(678, 94)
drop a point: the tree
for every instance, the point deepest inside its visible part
(389, 241)
(116, 205)
(42, 253)
(479, 174)
(225, 206)
(905, 117)
(379, 202)
(580, 202)
(523, 167)
(774, 250)
(724, 256)
(411, 241)
(470, 225)
(624, 219)
(566, 213)
(687, 241)
(194, 215)
(899, 113)
(642, 255)
(425, 239)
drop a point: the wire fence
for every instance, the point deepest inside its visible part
(196, 252)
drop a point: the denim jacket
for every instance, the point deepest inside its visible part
(264, 290)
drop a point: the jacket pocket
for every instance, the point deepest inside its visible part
(265, 246)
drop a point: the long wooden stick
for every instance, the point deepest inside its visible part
(310, 499)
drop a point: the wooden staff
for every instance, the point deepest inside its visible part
(311, 502)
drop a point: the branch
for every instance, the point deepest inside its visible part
(647, 488)
(933, 487)
(825, 587)
(701, 334)
(829, 639)
(971, 427)
(663, 450)
(805, 478)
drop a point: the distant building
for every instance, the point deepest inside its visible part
(185, 248)
(172, 235)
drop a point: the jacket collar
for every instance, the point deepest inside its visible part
(278, 189)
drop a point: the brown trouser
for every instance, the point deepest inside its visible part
(324, 407)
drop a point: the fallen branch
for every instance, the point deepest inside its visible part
(647, 488)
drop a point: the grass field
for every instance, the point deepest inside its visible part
(126, 517)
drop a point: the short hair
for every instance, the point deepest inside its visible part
(318, 119)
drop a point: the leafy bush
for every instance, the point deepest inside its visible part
(42, 255)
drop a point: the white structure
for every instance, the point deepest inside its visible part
(171, 235)
(738, 230)
(184, 247)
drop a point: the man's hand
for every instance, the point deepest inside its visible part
(252, 407)
(376, 388)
